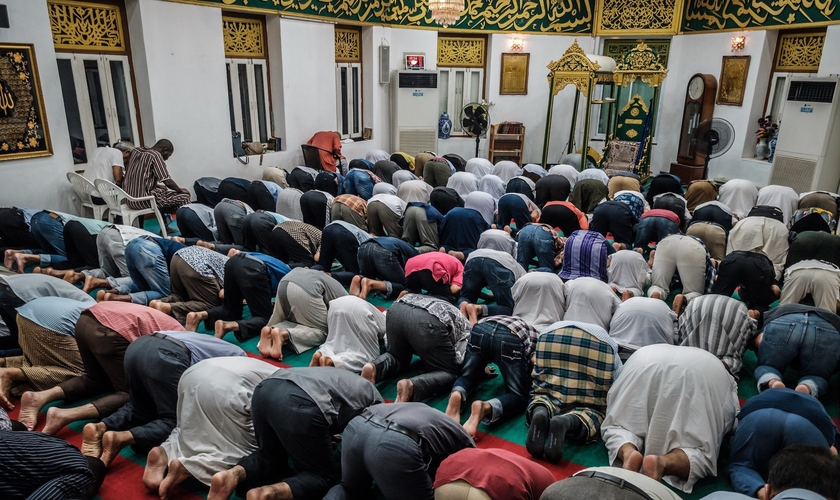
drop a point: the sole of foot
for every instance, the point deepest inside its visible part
(369, 373)
(155, 471)
(653, 468)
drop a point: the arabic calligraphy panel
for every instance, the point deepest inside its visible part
(23, 123)
(79, 25)
(718, 15)
(243, 37)
(637, 17)
(533, 16)
(800, 52)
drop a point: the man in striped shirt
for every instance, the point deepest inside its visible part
(146, 174)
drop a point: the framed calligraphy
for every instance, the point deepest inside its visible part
(514, 76)
(23, 122)
(733, 80)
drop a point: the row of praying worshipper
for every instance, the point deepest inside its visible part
(578, 328)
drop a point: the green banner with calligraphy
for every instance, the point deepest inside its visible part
(719, 15)
(528, 16)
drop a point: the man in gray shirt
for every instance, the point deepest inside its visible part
(296, 412)
(400, 446)
(153, 367)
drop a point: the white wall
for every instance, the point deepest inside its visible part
(39, 182)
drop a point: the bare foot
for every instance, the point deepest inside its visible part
(473, 311)
(626, 295)
(112, 443)
(633, 461)
(279, 491)
(225, 482)
(478, 411)
(316, 359)
(161, 306)
(264, 345)
(777, 292)
(6, 383)
(193, 319)
(619, 246)
(651, 258)
(30, 408)
(21, 260)
(206, 244)
(178, 239)
(223, 327)
(453, 409)
(92, 439)
(405, 391)
(9, 258)
(327, 361)
(71, 276)
(679, 304)
(369, 373)
(653, 467)
(656, 295)
(279, 337)
(776, 384)
(57, 419)
(116, 297)
(156, 464)
(177, 475)
(799, 388)
(356, 286)
(92, 283)
(458, 255)
(365, 288)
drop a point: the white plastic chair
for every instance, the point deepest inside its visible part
(117, 200)
(85, 189)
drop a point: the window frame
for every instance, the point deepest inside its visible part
(451, 93)
(235, 90)
(106, 82)
(354, 100)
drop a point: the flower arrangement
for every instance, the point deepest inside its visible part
(766, 128)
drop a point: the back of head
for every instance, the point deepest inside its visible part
(124, 146)
(164, 147)
(812, 468)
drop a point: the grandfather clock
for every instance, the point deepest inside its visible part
(699, 107)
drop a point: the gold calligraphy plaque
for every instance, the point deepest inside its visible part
(514, 79)
(23, 122)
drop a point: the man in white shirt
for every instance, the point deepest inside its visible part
(108, 163)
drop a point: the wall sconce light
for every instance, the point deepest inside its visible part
(738, 43)
(517, 44)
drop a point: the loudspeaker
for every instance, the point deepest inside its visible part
(384, 64)
(4, 16)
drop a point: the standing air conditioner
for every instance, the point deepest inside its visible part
(807, 154)
(414, 111)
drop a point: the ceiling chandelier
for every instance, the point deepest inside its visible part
(446, 12)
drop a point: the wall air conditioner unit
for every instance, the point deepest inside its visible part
(414, 111)
(807, 154)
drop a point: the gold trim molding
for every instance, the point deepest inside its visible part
(640, 62)
(243, 37)
(800, 51)
(87, 26)
(462, 52)
(348, 45)
(574, 68)
(637, 17)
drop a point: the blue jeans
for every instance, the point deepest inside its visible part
(535, 241)
(654, 229)
(484, 271)
(513, 207)
(492, 342)
(359, 183)
(49, 232)
(148, 272)
(376, 262)
(805, 336)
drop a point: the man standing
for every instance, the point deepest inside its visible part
(146, 174)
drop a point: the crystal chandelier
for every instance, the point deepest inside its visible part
(446, 12)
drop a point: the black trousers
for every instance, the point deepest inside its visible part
(207, 191)
(246, 279)
(616, 218)
(327, 182)
(191, 226)
(9, 302)
(300, 179)
(313, 205)
(233, 188)
(712, 213)
(258, 197)
(753, 272)
(153, 367)
(14, 232)
(256, 231)
(289, 426)
(560, 217)
(80, 246)
(337, 243)
(287, 249)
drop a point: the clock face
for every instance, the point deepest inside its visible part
(696, 87)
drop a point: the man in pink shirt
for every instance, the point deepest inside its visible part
(439, 274)
(103, 333)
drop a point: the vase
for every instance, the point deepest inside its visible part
(444, 126)
(772, 150)
(762, 149)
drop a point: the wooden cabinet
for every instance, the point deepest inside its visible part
(507, 142)
(699, 107)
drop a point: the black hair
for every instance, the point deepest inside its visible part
(813, 468)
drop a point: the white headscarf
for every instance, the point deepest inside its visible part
(492, 185)
(414, 191)
(497, 239)
(590, 300)
(506, 170)
(401, 176)
(483, 203)
(539, 299)
(594, 173)
(783, 197)
(355, 327)
(567, 171)
(375, 155)
(479, 167)
(384, 188)
(463, 183)
(534, 169)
